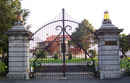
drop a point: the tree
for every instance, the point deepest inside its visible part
(8, 13)
(42, 55)
(83, 36)
(124, 44)
(53, 47)
(93, 53)
(75, 50)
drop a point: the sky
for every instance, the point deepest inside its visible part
(43, 11)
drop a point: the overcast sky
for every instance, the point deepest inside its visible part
(43, 11)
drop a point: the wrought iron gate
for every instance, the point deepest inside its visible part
(57, 53)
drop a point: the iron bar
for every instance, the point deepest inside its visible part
(45, 49)
(83, 50)
(64, 21)
(63, 44)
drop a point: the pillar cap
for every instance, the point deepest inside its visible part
(106, 31)
(106, 23)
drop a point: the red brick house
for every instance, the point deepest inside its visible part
(57, 46)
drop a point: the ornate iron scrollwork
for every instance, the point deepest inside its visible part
(88, 63)
(34, 63)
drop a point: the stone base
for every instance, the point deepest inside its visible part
(17, 76)
(110, 74)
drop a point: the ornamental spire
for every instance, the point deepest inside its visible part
(19, 17)
(106, 16)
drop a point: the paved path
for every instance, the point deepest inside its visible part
(125, 79)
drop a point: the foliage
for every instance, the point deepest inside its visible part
(53, 47)
(75, 50)
(4, 45)
(70, 56)
(41, 54)
(8, 13)
(3, 68)
(83, 36)
(4, 65)
(124, 44)
(124, 63)
(55, 56)
(93, 53)
(4, 60)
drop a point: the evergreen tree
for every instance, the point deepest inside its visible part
(70, 56)
(83, 36)
(55, 56)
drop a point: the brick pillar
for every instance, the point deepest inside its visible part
(18, 51)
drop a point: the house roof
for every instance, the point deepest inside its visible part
(52, 37)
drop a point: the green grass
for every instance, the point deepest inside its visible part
(124, 63)
(52, 60)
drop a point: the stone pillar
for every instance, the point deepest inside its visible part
(109, 63)
(19, 66)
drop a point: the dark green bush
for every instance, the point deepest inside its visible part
(70, 56)
(55, 56)
(93, 53)
(42, 54)
(4, 65)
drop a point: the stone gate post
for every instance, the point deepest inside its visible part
(109, 63)
(18, 50)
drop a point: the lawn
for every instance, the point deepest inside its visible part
(52, 60)
(123, 63)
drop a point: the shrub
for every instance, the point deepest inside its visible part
(55, 56)
(4, 65)
(70, 56)
(42, 54)
(93, 53)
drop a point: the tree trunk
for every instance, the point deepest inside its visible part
(86, 54)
